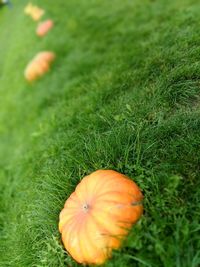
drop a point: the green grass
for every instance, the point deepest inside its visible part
(123, 94)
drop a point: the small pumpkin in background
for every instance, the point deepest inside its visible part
(98, 215)
(44, 27)
(39, 65)
(34, 12)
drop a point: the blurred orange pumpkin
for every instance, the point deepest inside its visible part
(39, 65)
(98, 215)
(44, 27)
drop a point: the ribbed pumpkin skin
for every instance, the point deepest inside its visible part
(98, 215)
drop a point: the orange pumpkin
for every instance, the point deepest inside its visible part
(39, 65)
(98, 215)
(44, 27)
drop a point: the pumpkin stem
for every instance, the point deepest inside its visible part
(86, 207)
(136, 203)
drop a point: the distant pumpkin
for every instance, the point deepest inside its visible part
(39, 65)
(34, 12)
(98, 215)
(44, 27)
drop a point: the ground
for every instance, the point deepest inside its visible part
(123, 94)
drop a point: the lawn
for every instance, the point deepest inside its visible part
(123, 94)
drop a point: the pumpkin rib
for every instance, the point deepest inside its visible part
(100, 183)
(96, 186)
(66, 230)
(125, 185)
(86, 190)
(94, 244)
(106, 234)
(72, 199)
(118, 216)
(74, 219)
(65, 221)
(116, 191)
(130, 188)
(122, 212)
(112, 174)
(89, 239)
(86, 245)
(80, 193)
(75, 229)
(119, 197)
(78, 219)
(114, 202)
(98, 224)
(104, 221)
(100, 240)
(71, 208)
(80, 250)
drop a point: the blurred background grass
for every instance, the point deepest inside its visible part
(123, 94)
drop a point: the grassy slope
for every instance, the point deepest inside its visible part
(124, 95)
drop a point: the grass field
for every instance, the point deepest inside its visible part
(123, 94)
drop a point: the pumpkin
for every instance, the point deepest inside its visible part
(44, 27)
(39, 65)
(34, 11)
(98, 215)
